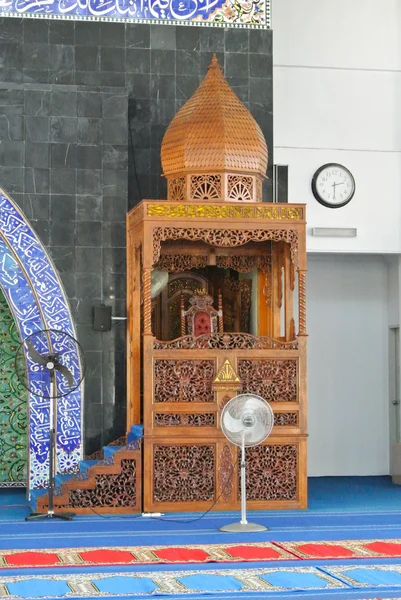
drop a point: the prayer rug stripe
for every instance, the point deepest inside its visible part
(169, 583)
(130, 555)
(343, 549)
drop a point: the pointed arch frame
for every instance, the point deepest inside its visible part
(36, 297)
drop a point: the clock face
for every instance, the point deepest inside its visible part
(333, 185)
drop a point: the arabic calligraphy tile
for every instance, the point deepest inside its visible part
(56, 313)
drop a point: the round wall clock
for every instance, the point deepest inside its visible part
(333, 185)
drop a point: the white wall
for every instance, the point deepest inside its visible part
(348, 365)
(337, 98)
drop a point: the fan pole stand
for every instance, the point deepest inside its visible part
(243, 525)
(52, 443)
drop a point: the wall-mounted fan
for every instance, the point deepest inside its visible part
(56, 368)
(246, 421)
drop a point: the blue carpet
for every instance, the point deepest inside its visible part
(340, 508)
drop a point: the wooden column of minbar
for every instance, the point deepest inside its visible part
(178, 388)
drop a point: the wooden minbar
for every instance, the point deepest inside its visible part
(216, 307)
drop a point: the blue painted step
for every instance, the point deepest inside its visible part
(84, 465)
(60, 479)
(110, 450)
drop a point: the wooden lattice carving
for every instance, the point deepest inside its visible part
(286, 419)
(225, 238)
(240, 188)
(226, 468)
(273, 380)
(176, 189)
(183, 473)
(184, 380)
(225, 341)
(206, 187)
(111, 490)
(271, 472)
(184, 419)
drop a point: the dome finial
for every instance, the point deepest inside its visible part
(215, 63)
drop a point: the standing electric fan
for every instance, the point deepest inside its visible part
(57, 368)
(246, 421)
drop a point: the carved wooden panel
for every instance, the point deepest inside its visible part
(286, 419)
(273, 380)
(183, 380)
(111, 490)
(225, 238)
(240, 188)
(226, 341)
(184, 419)
(271, 472)
(183, 473)
(176, 189)
(226, 468)
(205, 187)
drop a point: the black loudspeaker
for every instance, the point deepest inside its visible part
(102, 318)
(280, 183)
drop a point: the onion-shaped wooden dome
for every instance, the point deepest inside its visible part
(213, 149)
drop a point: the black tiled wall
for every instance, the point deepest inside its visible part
(67, 91)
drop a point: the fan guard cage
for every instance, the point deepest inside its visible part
(247, 419)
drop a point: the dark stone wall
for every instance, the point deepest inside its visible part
(67, 92)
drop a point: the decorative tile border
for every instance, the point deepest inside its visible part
(36, 297)
(209, 13)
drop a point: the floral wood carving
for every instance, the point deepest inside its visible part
(225, 341)
(225, 238)
(240, 188)
(271, 472)
(181, 262)
(111, 490)
(205, 187)
(185, 419)
(184, 380)
(273, 380)
(176, 189)
(285, 419)
(226, 473)
(183, 473)
(181, 284)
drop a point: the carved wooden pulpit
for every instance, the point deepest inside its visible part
(214, 229)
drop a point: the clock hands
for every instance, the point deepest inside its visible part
(334, 185)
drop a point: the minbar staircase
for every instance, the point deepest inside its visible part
(109, 485)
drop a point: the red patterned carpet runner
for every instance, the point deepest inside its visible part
(343, 549)
(143, 555)
(255, 552)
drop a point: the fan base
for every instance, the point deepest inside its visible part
(238, 527)
(41, 516)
